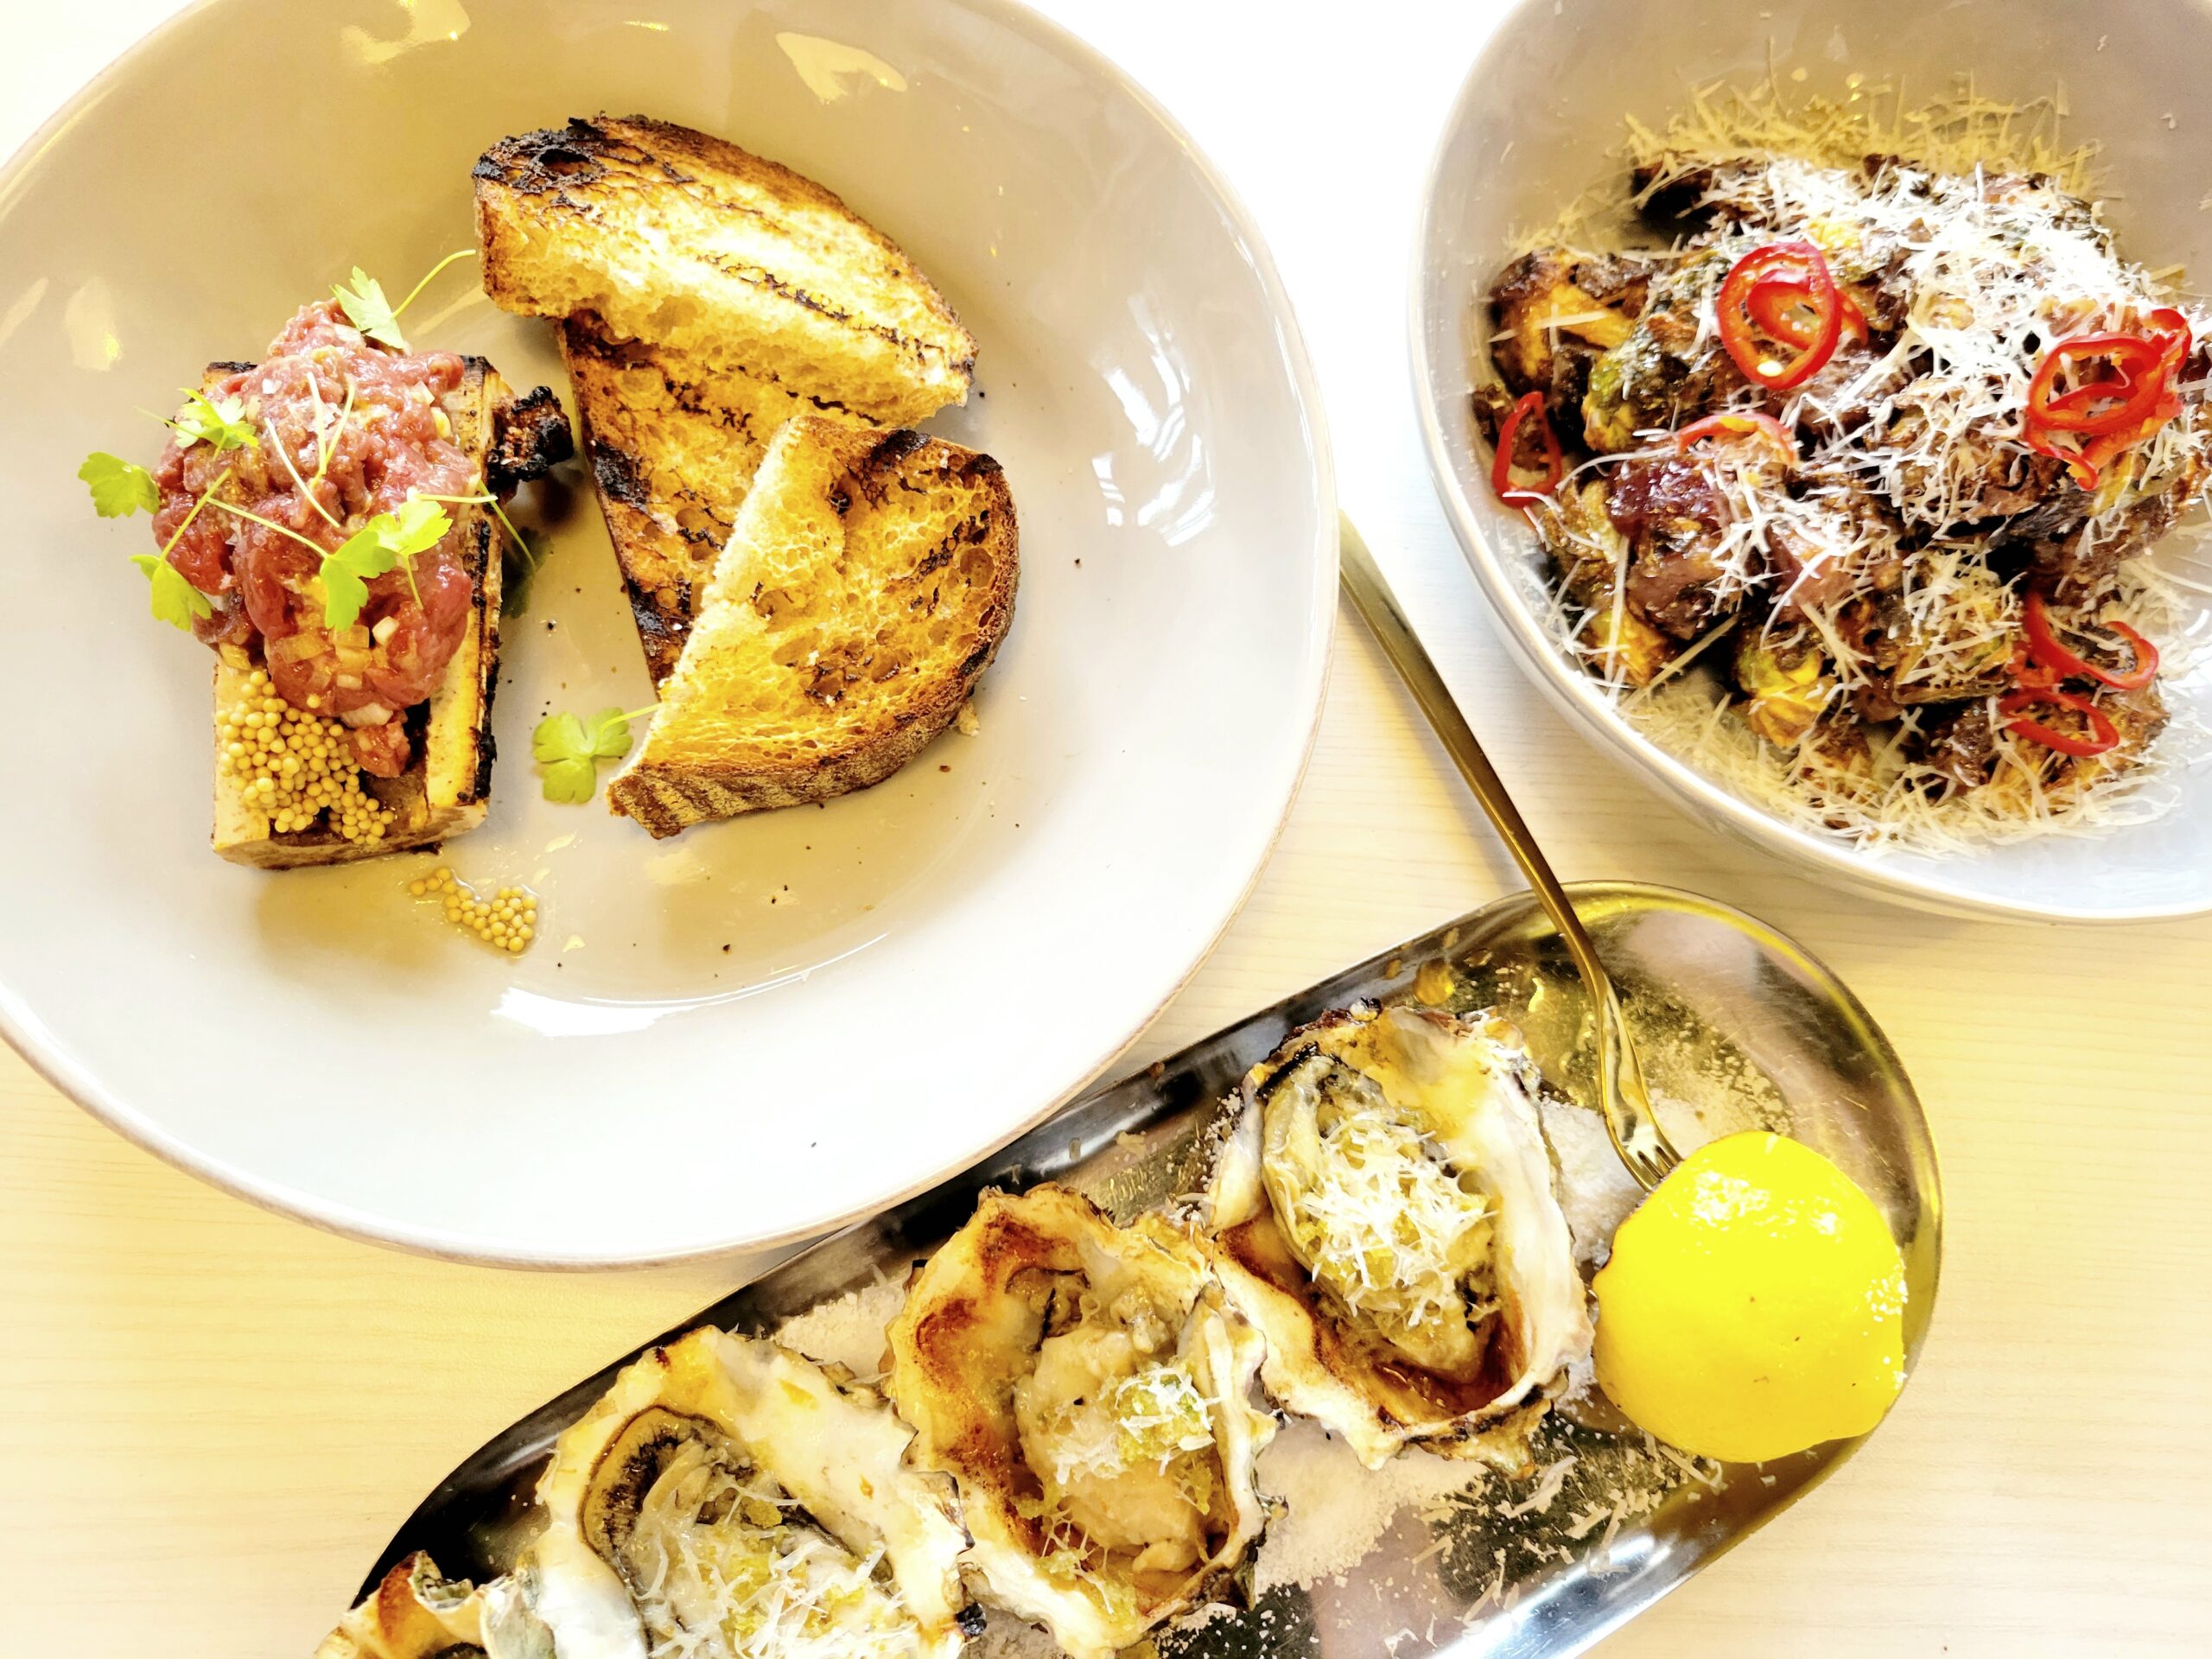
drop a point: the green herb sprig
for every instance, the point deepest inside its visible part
(377, 317)
(119, 487)
(175, 600)
(223, 427)
(568, 750)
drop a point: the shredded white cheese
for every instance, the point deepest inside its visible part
(1383, 1221)
(718, 1570)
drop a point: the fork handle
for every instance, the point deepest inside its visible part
(1635, 1130)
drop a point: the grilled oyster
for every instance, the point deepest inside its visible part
(1090, 1389)
(726, 1497)
(1381, 1206)
(416, 1612)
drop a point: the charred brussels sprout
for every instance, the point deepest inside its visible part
(1785, 683)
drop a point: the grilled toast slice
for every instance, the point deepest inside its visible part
(446, 792)
(673, 445)
(867, 583)
(682, 240)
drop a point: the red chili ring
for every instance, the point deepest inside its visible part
(2175, 327)
(1806, 265)
(2045, 646)
(1773, 298)
(2142, 373)
(1745, 421)
(2106, 735)
(1501, 466)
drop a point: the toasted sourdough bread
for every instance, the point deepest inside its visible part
(673, 447)
(867, 585)
(446, 792)
(686, 242)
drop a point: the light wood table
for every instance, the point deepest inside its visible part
(211, 1419)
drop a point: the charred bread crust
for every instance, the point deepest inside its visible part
(558, 161)
(484, 556)
(663, 563)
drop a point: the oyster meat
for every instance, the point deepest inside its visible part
(1089, 1388)
(729, 1499)
(1381, 1204)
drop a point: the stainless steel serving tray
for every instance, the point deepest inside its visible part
(1718, 1002)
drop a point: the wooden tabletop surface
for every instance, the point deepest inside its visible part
(211, 1419)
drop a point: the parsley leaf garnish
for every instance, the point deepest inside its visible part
(223, 426)
(119, 487)
(383, 543)
(568, 750)
(368, 310)
(175, 600)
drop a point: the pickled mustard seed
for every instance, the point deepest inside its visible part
(507, 920)
(295, 768)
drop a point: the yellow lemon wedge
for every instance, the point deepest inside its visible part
(1753, 1304)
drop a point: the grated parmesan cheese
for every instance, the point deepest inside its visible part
(1383, 1221)
(718, 1571)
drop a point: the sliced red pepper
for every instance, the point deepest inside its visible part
(1774, 301)
(2087, 467)
(2141, 366)
(1798, 271)
(2174, 326)
(1753, 422)
(2045, 646)
(2109, 415)
(2105, 734)
(2087, 463)
(1509, 436)
(2098, 453)
(2085, 474)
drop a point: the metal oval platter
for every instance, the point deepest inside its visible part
(1725, 1011)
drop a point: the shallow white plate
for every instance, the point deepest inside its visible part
(1540, 121)
(760, 1028)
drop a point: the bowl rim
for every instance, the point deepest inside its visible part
(1577, 697)
(23, 1032)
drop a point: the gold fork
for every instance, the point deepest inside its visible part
(1625, 1102)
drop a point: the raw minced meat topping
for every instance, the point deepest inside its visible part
(344, 430)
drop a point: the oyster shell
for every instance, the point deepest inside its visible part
(728, 1498)
(416, 1612)
(1089, 1388)
(1381, 1206)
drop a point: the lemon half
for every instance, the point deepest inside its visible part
(1754, 1304)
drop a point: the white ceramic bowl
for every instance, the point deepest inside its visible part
(1541, 119)
(765, 1027)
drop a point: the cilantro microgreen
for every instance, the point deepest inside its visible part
(386, 540)
(376, 316)
(175, 600)
(119, 487)
(223, 427)
(368, 310)
(568, 750)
